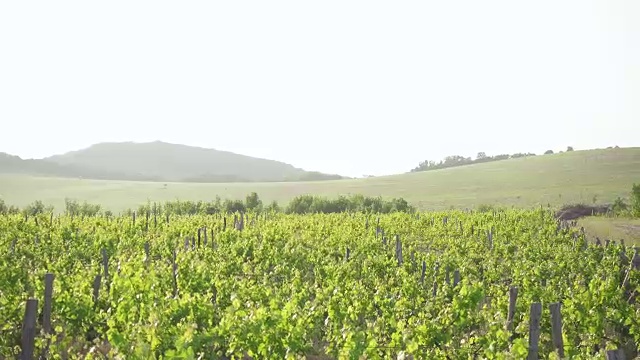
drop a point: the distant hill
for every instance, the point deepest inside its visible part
(10, 164)
(159, 161)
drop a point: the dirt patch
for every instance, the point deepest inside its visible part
(572, 212)
(631, 229)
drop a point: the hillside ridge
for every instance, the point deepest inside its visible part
(586, 176)
(159, 161)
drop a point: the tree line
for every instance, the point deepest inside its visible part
(481, 157)
(303, 204)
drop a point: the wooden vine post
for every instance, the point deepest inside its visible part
(535, 315)
(29, 329)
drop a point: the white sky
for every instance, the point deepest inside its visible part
(348, 87)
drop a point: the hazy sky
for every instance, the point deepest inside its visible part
(348, 87)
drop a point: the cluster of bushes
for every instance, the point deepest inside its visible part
(482, 157)
(635, 204)
(251, 203)
(6, 209)
(457, 160)
(35, 208)
(620, 207)
(304, 204)
(74, 208)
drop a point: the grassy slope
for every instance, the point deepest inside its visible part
(612, 229)
(551, 179)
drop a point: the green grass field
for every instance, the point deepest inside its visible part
(612, 229)
(579, 176)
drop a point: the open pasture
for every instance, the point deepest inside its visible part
(579, 176)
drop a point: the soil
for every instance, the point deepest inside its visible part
(573, 212)
(630, 229)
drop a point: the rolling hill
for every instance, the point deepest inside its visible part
(580, 176)
(159, 161)
(10, 164)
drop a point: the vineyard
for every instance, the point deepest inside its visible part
(448, 285)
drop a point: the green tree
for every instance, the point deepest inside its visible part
(548, 152)
(88, 209)
(273, 207)
(619, 206)
(72, 207)
(233, 206)
(252, 202)
(635, 200)
(37, 207)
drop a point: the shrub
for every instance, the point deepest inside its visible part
(273, 207)
(305, 204)
(253, 202)
(484, 208)
(635, 200)
(619, 206)
(37, 207)
(73, 207)
(233, 206)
